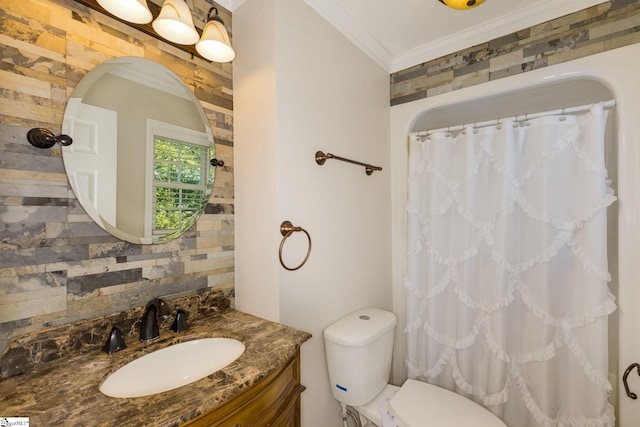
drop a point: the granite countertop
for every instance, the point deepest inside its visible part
(65, 392)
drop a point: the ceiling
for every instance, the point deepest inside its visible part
(399, 34)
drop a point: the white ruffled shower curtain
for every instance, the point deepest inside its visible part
(507, 278)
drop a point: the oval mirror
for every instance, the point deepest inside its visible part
(140, 159)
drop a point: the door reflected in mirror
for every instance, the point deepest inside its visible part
(140, 161)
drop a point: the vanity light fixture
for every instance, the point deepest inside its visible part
(462, 4)
(175, 23)
(215, 44)
(136, 11)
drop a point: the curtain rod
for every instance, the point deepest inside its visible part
(578, 109)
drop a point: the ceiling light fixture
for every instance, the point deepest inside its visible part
(136, 11)
(175, 23)
(461, 4)
(215, 44)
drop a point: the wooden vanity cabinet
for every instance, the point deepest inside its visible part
(274, 401)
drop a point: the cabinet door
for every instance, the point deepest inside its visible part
(273, 402)
(288, 414)
(284, 412)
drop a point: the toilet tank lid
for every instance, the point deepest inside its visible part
(360, 327)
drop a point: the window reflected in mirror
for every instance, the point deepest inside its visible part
(180, 182)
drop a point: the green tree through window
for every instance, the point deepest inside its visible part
(180, 182)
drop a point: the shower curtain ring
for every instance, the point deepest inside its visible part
(562, 117)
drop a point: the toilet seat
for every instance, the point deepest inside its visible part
(418, 404)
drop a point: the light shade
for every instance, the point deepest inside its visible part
(462, 4)
(135, 11)
(215, 44)
(175, 23)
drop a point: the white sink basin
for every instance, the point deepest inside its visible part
(172, 367)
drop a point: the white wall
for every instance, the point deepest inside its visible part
(300, 86)
(255, 149)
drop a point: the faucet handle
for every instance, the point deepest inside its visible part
(115, 342)
(180, 322)
(163, 309)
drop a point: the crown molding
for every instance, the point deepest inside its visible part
(227, 4)
(230, 5)
(335, 14)
(524, 18)
(534, 14)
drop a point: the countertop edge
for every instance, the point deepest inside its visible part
(67, 390)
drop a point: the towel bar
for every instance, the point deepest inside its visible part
(322, 157)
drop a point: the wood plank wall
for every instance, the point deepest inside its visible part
(56, 265)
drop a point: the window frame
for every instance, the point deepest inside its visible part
(180, 134)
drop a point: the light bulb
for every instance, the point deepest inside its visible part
(136, 11)
(175, 23)
(215, 44)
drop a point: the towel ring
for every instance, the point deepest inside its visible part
(287, 229)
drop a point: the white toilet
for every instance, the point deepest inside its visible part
(359, 347)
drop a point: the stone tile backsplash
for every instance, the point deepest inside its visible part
(30, 351)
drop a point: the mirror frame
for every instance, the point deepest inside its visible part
(163, 75)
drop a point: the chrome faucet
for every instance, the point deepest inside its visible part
(156, 309)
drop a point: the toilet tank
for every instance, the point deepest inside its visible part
(359, 347)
